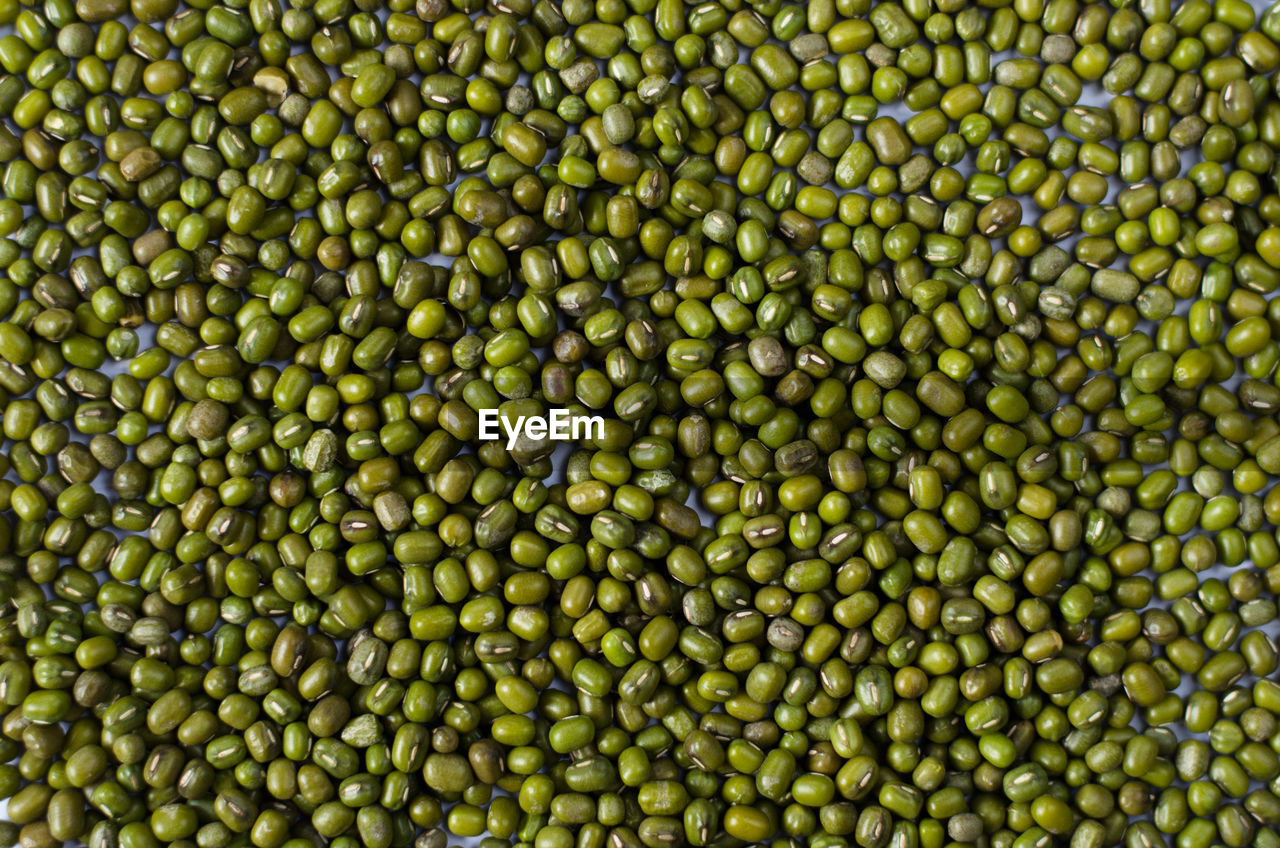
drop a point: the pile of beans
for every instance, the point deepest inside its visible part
(935, 500)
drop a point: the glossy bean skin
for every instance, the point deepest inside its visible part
(918, 367)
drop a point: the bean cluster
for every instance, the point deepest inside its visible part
(954, 319)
